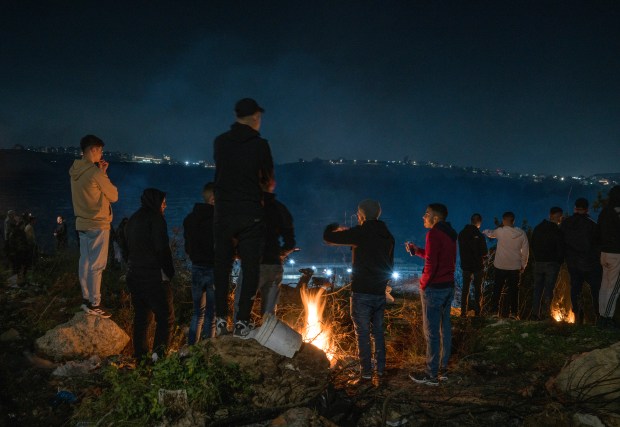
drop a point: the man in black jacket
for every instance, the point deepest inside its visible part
(609, 223)
(582, 253)
(242, 162)
(198, 235)
(473, 249)
(548, 249)
(373, 264)
(279, 243)
(149, 272)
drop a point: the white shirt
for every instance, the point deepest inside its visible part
(512, 247)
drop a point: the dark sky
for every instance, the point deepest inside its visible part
(525, 86)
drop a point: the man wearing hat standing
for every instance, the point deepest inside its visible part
(92, 193)
(372, 265)
(582, 254)
(242, 163)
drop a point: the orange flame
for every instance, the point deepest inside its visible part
(315, 331)
(561, 316)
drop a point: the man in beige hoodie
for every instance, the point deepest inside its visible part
(92, 192)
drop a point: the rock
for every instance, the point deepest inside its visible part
(593, 378)
(276, 380)
(301, 417)
(10, 335)
(583, 420)
(81, 337)
(77, 368)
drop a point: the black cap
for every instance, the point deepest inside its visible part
(246, 107)
(89, 140)
(581, 203)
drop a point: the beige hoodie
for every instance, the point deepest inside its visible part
(91, 193)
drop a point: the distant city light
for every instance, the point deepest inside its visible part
(292, 262)
(314, 267)
(186, 163)
(395, 275)
(349, 270)
(328, 272)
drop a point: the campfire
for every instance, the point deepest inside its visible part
(316, 331)
(563, 316)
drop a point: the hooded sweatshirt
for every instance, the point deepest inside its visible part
(473, 248)
(439, 255)
(278, 227)
(609, 223)
(198, 235)
(242, 161)
(373, 254)
(512, 247)
(147, 240)
(91, 193)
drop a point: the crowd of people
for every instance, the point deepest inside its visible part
(240, 218)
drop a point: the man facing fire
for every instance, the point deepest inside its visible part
(372, 265)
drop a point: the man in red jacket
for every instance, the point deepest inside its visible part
(436, 292)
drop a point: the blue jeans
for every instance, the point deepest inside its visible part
(545, 276)
(367, 314)
(436, 305)
(203, 295)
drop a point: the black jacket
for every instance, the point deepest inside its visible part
(547, 242)
(609, 223)
(147, 240)
(581, 241)
(472, 247)
(373, 254)
(198, 234)
(278, 225)
(242, 161)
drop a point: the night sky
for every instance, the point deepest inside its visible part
(525, 86)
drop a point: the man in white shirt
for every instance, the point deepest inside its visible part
(510, 261)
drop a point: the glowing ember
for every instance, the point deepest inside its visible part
(315, 331)
(561, 316)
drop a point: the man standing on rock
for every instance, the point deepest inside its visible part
(242, 162)
(436, 292)
(473, 249)
(609, 223)
(511, 257)
(92, 193)
(373, 264)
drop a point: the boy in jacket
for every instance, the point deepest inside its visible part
(473, 250)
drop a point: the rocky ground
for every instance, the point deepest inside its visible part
(503, 372)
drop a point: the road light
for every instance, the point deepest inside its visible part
(395, 275)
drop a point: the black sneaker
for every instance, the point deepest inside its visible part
(221, 327)
(442, 375)
(422, 378)
(243, 328)
(85, 306)
(97, 310)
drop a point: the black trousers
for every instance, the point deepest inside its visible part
(510, 304)
(248, 232)
(469, 278)
(151, 297)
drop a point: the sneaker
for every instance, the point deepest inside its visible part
(97, 310)
(85, 306)
(221, 327)
(366, 377)
(154, 357)
(243, 328)
(423, 379)
(442, 375)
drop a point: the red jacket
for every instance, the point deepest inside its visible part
(439, 257)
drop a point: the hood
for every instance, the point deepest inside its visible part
(614, 196)
(378, 227)
(241, 133)
(446, 228)
(79, 167)
(471, 229)
(152, 199)
(202, 208)
(513, 232)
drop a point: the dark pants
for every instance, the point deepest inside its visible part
(367, 313)
(545, 276)
(151, 297)
(469, 278)
(249, 232)
(593, 275)
(510, 303)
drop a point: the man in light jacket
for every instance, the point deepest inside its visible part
(92, 193)
(510, 261)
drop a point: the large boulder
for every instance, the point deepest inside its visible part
(593, 378)
(82, 337)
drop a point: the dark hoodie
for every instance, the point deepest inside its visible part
(581, 241)
(242, 161)
(373, 254)
(473, 248)
(439, 256)
(609, 223)
(147, 240)
(198, 234)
